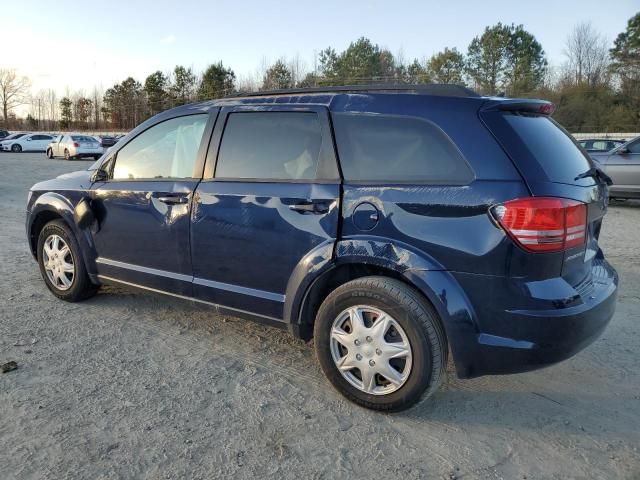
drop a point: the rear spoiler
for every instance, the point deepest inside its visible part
(524, 105)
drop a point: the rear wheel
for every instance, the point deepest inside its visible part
(15, 148)
(380, 343)
(61, 263)
(66, 154)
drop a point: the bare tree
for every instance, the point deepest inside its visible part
(97, 106)
(298, 69)
(51, 105)
(14, 91)
(588, 55)
(38, 108)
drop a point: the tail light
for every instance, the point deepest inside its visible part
(76, 144)
(543, 224)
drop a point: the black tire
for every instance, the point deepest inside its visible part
(49, 153)
(15, 148)
(81, 287)
(66, 154)
(415, 316)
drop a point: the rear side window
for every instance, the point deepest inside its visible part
(383, 148)
(270, 145)
(549, 146)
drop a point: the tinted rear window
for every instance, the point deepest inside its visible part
(270, 145)
(553, 149)
(382, 148)
(82, 138)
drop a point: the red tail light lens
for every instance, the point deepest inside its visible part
(544, 224)
(76, 144)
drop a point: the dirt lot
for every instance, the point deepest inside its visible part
(128, 385)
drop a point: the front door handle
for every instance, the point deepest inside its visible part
(317, 207)
(173, 199)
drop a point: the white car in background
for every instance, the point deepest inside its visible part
(13, 136)
(33, 142)
(74, 145)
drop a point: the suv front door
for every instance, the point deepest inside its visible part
(143, 208)
(269, 197)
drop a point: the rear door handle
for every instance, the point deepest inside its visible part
(173, 199)
(317, 207)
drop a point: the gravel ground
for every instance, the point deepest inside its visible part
(128, 385)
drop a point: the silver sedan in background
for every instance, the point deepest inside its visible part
(74, 145)
(622, 164)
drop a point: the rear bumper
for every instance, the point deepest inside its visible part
(87, 153)
(546, 331)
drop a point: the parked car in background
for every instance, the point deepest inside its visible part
(13, 136)
(600, 144)
(4, 134)
(377, 221)
(75, 146)
(106, 141)
(622, 164)
(32, 142)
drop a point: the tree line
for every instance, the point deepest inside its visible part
(596, 89)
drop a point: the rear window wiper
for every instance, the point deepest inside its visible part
(596, 173)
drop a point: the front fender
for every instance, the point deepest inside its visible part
(52, 202)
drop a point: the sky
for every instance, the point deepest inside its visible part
(78, 45)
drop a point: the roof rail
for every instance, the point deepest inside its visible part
(441, 89)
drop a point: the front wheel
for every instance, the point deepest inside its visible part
(61, 263)
(49, 153)
(16, 148)
(380, 343)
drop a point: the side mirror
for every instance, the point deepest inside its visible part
(28, 139)
(623, 151)
(99, 176)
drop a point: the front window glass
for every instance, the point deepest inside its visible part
(166, 150)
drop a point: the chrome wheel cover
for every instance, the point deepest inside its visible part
(58, 262)
(370, 350)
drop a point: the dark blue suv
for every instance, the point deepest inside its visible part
(391, 224)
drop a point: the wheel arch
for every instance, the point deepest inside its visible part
(53, 206)
(375, 257)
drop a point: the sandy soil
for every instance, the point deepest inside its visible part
(128, 385)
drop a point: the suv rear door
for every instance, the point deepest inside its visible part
(551, 164)
(269, 197)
